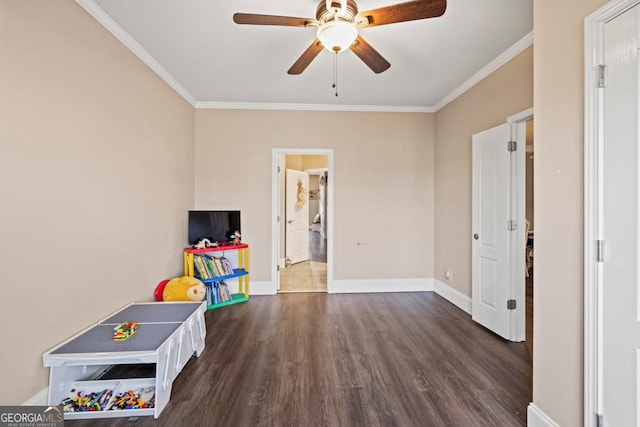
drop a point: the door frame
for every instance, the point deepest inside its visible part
(593, 204)
(275, 210)
(518, 125)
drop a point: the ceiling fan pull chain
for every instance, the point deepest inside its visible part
(335, 72)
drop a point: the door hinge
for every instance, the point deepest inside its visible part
(278, 267)
(278, 218)
(600, 76)
(599, 250)
(511, 304)
(599, 420)
(278, 169)
(511, 225)
(512, 146)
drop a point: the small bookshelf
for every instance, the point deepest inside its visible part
(214, 266)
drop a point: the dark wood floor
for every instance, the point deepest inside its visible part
(404, 359)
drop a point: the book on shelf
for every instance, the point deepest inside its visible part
(209, 266)
(200, 268)
(217, 292)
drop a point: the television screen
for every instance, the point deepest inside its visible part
(217, 226)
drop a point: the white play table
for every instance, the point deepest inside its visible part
(169, 333)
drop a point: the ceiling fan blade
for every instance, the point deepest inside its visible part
(287, 21)
(305, 59)
(402, 12)
(369, 55)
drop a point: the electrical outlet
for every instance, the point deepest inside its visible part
(448, 274)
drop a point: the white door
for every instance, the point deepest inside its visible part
(620, 218)
(297, 216)
(491, 206)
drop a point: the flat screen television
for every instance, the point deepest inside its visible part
(217, 226)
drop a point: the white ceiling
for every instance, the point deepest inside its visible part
(195, 46)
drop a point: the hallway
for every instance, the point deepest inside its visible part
(307, 276)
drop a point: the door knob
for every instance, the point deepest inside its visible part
(475, 236)
(290, 221)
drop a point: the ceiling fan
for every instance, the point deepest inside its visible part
(337, 23)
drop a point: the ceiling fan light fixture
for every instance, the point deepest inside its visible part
(337, 36)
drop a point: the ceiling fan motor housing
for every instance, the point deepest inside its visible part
(323, 14)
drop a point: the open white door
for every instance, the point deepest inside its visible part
(490, 249)
(297, 216)
(620, 223)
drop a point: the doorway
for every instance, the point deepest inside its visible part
(500, 235)
(530, 227)
(304, 216)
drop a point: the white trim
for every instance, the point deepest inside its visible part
(38, 399)
(492, 66)
(592, 51)
(114, 28)
(454, 296)
(313, 107)
(537, 418)
(609, 11)
(593, 184)
(275, 211)
(522, 116)
(354, 286)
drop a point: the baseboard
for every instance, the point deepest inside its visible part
(354, 286)
(454, 296)
(381, 285)
(537, 418)
(38, 399)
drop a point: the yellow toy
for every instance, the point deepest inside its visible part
(184, 288)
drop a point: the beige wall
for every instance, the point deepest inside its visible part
(307, 161)
(96, 157)
(294, 161)
(314, 161)
(558, 280)
(383, 177)
(507, 91)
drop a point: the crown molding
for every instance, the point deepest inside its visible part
(312, 107)
(126, 39)
(505, 57)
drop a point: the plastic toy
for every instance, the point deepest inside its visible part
(124, 331)
(160, 289)
(80, 401)
(144, 398)
(184, 288)
(204, 243)
(105, 400)
(236, 237)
